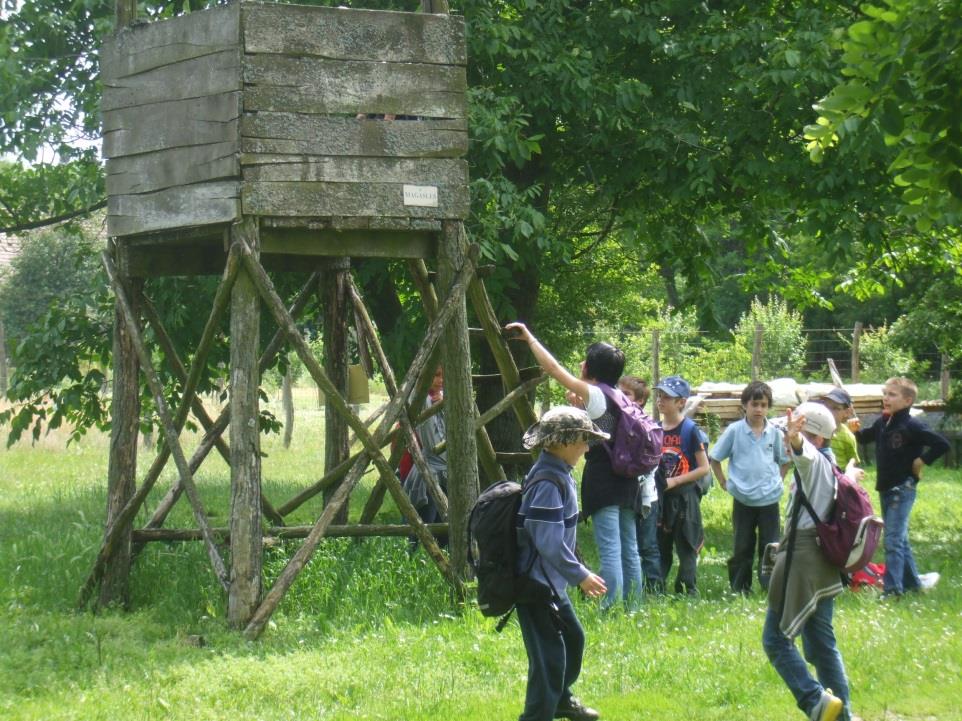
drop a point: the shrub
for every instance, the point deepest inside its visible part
(783, 340)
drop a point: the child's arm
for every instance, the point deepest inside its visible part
(701, 469)
(549, 364)
(935, 445)
(716, 468)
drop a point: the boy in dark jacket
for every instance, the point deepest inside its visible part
(547, 527)
(902, 446)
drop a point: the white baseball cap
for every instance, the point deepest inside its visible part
(819, 420)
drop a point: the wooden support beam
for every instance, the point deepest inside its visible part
(173, 535)
(372, 444)
(333, 300)
(246, 547)
(121, 463)
(220, 424)
(171, 435)
(370, 335)
(462, 454)
(481, 303)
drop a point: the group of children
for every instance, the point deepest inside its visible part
(637, 530)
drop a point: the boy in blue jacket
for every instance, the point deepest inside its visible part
(547, 526)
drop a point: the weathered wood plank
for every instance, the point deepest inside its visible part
(194, 78)
(185, 206)
(146, 46)
(354, 34)
(168, 168)
(365, 199)
(418, 171)
(310, 85)
(178, 123)
(305, 134)
(352, 244)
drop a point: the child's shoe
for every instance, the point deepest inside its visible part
(928, 581)
(574, 710)
(828, 707)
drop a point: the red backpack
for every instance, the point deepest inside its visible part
(848, 538)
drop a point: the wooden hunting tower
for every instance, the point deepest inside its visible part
(286, 137)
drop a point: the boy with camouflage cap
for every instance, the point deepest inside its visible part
(547, 526)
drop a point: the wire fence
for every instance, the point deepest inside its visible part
(860, 354)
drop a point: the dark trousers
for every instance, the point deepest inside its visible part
(555, 642)
(687, 559)
(754, 527)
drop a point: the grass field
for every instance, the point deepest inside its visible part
(369, 632)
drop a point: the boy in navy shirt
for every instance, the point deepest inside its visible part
(902, 446)
(548, 519)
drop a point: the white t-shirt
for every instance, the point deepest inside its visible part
(596, 404)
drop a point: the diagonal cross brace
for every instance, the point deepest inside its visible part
(172, 437)
(371, 443)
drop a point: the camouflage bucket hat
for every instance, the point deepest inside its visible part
(562, 426)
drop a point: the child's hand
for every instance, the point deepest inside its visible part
(574, 399)
(793, 430)
(522, 330)
(917, 468)
(593, 586)
(854, 472)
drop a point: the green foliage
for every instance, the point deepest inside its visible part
(904, 83)
(782, 343)
(882, 356)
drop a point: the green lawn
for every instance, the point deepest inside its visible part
(368, 631)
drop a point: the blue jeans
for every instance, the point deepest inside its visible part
(647, 533)
(555, 643)
(614, 529)
(901, 573)
(821, 650)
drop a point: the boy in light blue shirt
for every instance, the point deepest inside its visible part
(757, 462)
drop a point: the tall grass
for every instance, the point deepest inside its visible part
(369, 630)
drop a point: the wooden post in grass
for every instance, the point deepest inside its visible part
(246, 546)
(945, 380)
(462, 452)
(333, 297)
(757, 352)
(122, 459)
(856, 360)
(4, 371)
(655, 367)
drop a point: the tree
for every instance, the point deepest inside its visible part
(903, 61)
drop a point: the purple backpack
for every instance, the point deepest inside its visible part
(849, 538)
(635, 447)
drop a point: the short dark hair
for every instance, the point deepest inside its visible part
(604, 363)
(755, 391)
(637, 386)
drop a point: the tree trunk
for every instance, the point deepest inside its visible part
(246, 543)
(334, 302)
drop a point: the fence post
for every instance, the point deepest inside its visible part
(3, 360)
(944, 377)
(655, 371)
(757, 352)
(856, 340)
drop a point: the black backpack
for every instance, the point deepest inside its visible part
(493, 549)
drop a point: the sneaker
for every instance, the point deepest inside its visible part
(928, 581)
(828, 707)
(576, 711)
